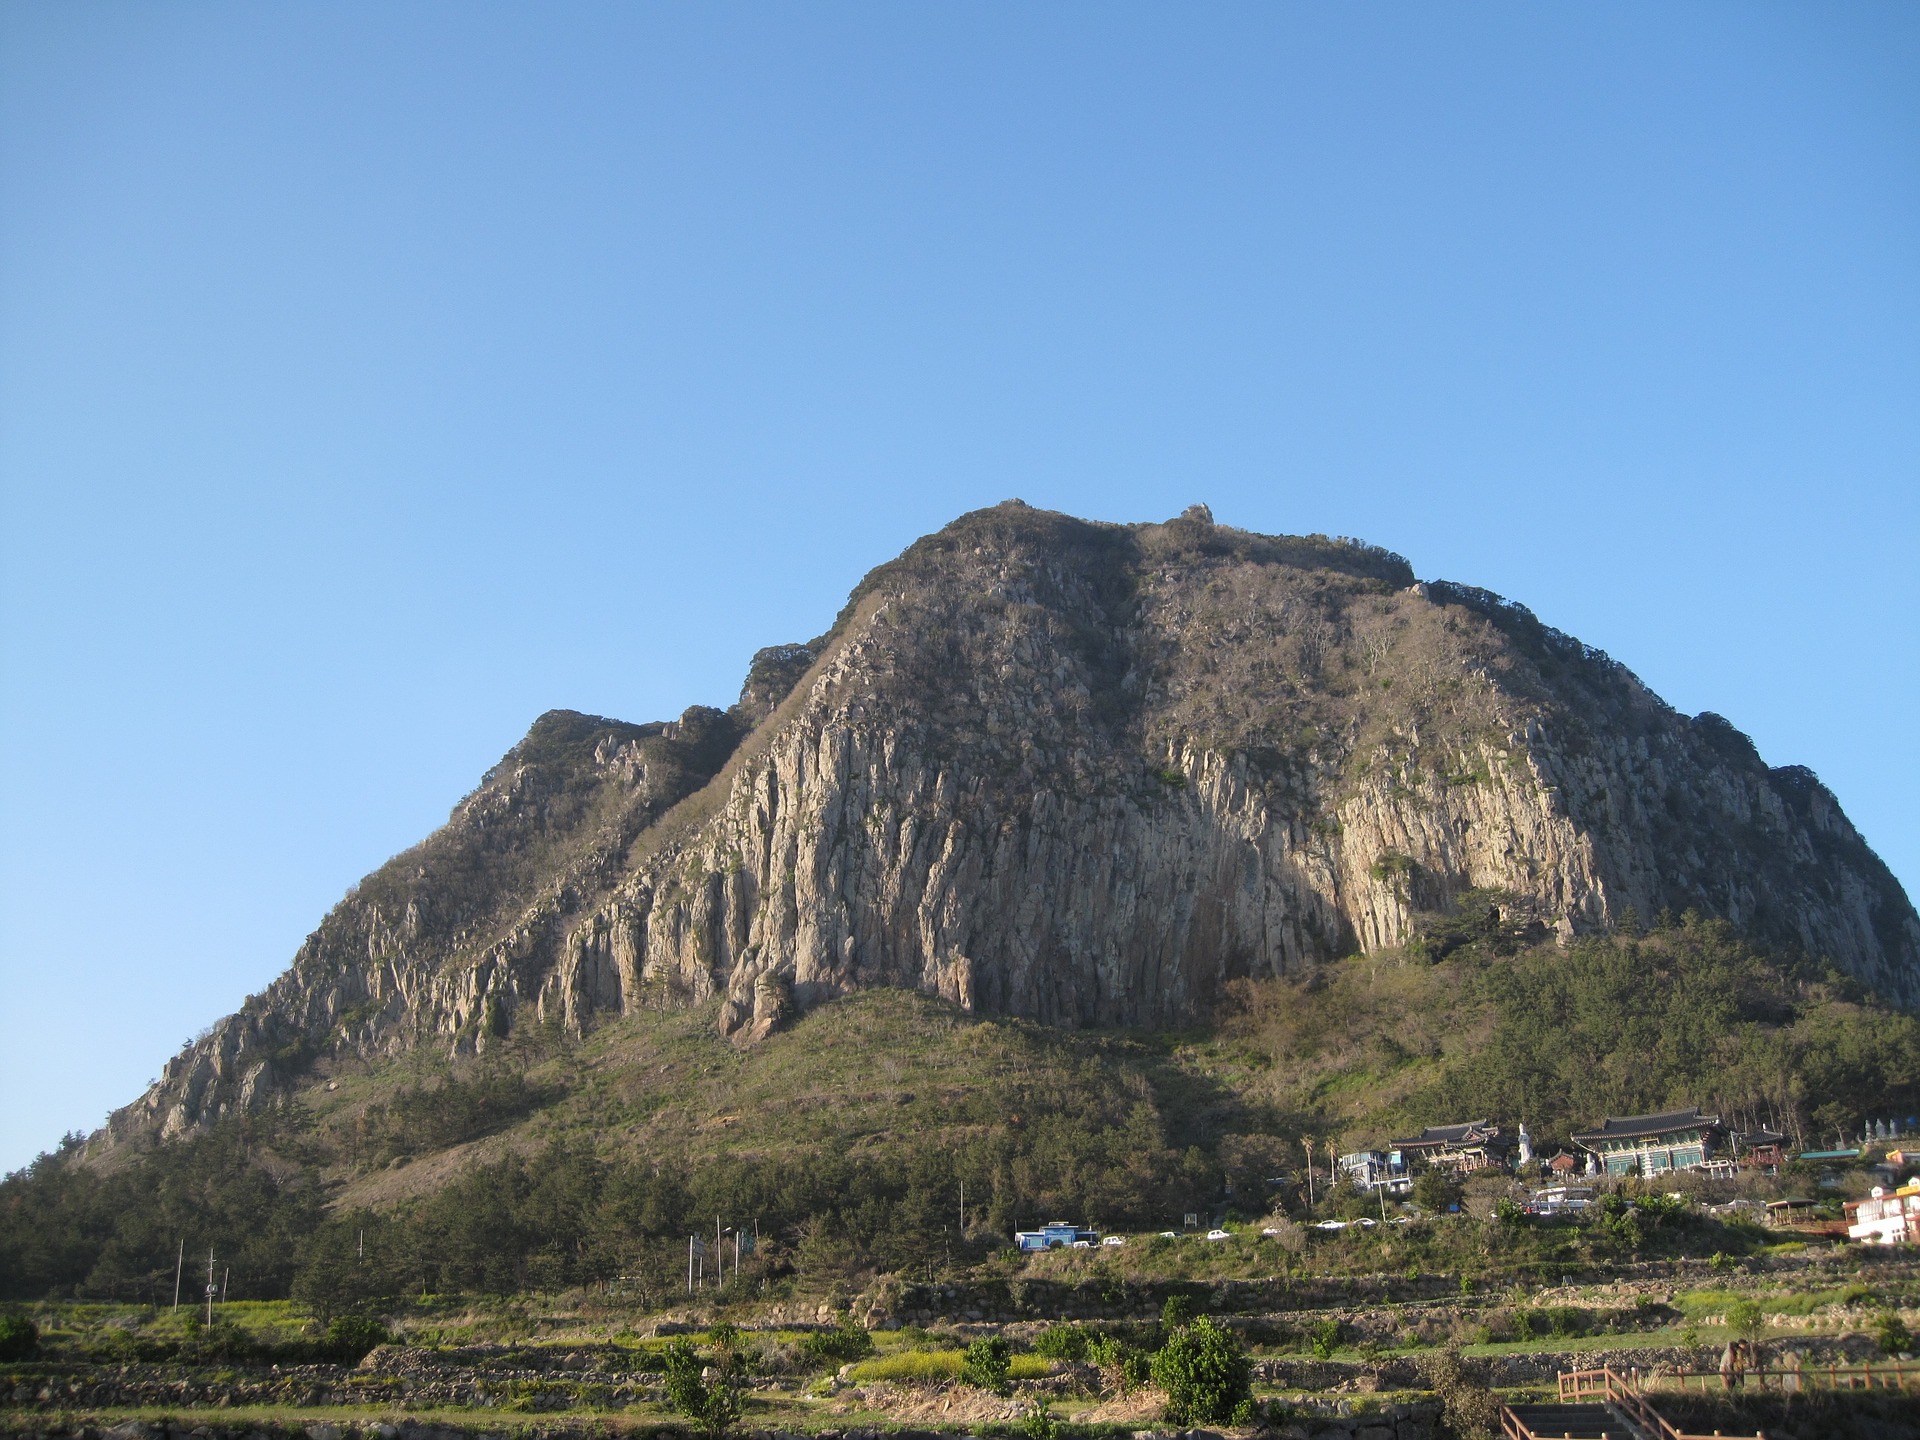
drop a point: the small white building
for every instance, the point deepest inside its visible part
(1884, 1219)
(1370, 1170)
(1560, 1200)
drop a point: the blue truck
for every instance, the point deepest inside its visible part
(1055, 1235)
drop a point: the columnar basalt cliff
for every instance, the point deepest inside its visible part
(1078, 772)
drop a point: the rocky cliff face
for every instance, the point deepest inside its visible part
(1082, 773)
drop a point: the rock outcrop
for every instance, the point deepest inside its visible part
(1077, 772)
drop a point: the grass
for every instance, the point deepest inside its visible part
(1715, 1302)
(911, 1365)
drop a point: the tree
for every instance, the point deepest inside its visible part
(1122, 1365)
(713, 1406)
(988, 1364)
(1746, 1319)
(1436, 1191)
(19, 1337)
(1467, 1406)
(1206, 1376)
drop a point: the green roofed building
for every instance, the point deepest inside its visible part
(1650, 1144)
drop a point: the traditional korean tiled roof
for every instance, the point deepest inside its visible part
(1469, 1133)
(1634, 1127)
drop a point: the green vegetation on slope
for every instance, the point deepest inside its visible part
(845, 1140)
(1559, 1037)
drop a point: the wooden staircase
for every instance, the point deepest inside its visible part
(1563, 1422)
(1595, 1404)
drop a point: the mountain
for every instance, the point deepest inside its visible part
(1086, 774)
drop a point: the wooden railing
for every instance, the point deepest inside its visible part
(1607, 1386)
(1610, 1387)
(1893, 1375)
(1628, 1393)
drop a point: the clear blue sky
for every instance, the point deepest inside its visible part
(376, 376)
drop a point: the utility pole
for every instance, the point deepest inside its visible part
(963, 1212)
(212, 1289)
(1308, 1142)
(179, 1265)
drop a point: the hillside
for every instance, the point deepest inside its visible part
(1086, 774)
(845, 1137)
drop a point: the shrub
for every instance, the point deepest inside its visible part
(1177, 1311)
(1061, 1342)
(350, 1337)
(1565, 1322)
(987, 1363)
(844, 1343)
(1040, 1424)
(1324, 1338)
(19, 1337)
(1892, 1334)
(714, 1408)
(1206, 1376)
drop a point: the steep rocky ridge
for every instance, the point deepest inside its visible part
(1078, 772)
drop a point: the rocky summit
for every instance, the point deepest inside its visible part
(1077, 772)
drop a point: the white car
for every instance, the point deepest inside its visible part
(1219, 1235)
(1329, 1224)
(1114, 1240)
(1083, 1244)
(1169, 1234)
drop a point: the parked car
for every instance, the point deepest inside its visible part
(1114, 1240)
(1219, 1235)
